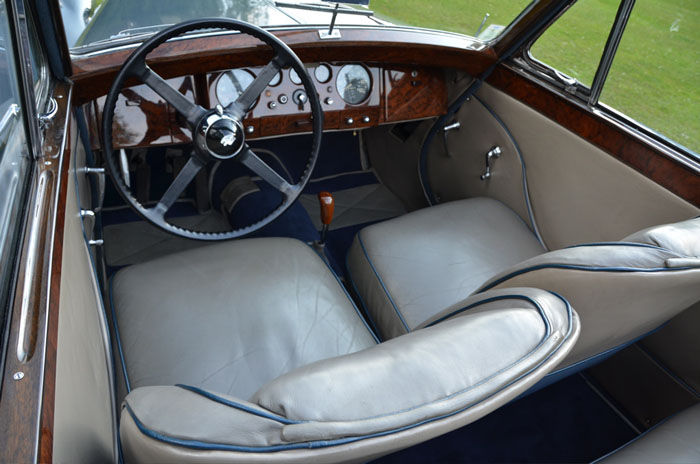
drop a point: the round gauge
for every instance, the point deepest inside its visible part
(276, 80)
(231, 85)
(294, 76)
(353, 83)
(323, 73)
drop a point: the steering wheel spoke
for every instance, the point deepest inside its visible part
(240, 106)
(183, 179)
(190, 111)
(216, 134)
(269, 175)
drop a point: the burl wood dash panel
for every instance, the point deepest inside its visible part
(397, 93)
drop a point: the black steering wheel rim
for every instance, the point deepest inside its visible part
(199, 121)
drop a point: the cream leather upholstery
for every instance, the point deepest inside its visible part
(251, 351)
(675, 441)
(409, 269)
(260, 307)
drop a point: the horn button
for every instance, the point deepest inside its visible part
(221, 136)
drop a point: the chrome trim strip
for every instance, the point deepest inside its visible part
(601, 74)
(135, 41)
(27, 311)
(12, 111)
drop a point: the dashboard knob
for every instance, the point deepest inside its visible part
(272, 105)
(349, 121)
(328, 101)
(366, 119)
(283, 99)
(250, 129)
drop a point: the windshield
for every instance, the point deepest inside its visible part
(100, 23)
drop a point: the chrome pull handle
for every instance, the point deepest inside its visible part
(450, 127)
(493, 153)
(101, 185)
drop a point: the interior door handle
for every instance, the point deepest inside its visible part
(494, 152)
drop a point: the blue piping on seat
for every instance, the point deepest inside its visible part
(631, 244)
(359, 297)
(195, 444)
(116, 335)
(239, 406)
(357, 310)
(381, 282)
(499, 298)
(576, 267)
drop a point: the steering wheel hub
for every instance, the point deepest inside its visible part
(221, 136)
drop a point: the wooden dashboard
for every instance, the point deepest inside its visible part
(396, 93)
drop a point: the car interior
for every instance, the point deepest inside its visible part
(274, 249)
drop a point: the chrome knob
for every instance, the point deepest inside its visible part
(250, 129)
(349, 121)
(328, 101)
(366, 119)
(272, 105)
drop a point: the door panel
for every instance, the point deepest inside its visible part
(85, 416)
(579, 193)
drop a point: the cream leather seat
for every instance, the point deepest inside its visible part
(410, 268)
(251, 351)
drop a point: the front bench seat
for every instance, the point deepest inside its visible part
(410, 268)
(251, 351)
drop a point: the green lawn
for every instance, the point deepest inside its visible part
(655, 77)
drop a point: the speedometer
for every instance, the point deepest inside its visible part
(353, 83)
(231, 85)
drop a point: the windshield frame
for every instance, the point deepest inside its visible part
(128, 41)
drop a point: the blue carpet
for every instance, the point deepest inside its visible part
(565, 422)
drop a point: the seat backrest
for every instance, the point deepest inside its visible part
(621, 290)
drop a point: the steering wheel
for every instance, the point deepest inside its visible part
(218, 134)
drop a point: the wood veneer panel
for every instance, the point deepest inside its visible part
(93, 74)
(26, 405)
(635, 152)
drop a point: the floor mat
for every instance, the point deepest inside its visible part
(565, 422)
(138, 241)
(367, 203)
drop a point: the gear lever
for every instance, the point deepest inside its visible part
(325, 200)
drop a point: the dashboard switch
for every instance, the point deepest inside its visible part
(300, 98)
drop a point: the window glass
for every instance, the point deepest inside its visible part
(14, 162)
(655, 76)
(462, 16)
(574, 44)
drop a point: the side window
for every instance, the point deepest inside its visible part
(14, 161)
(574, 44)
(652, 83)
(655, 76)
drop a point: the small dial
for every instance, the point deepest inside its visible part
(276, 80)
(353, 83)
(294, 76)
(231, 85)
(323, 73)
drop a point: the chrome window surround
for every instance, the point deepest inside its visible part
(575, 92)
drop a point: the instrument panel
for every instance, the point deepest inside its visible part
(352, 96)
